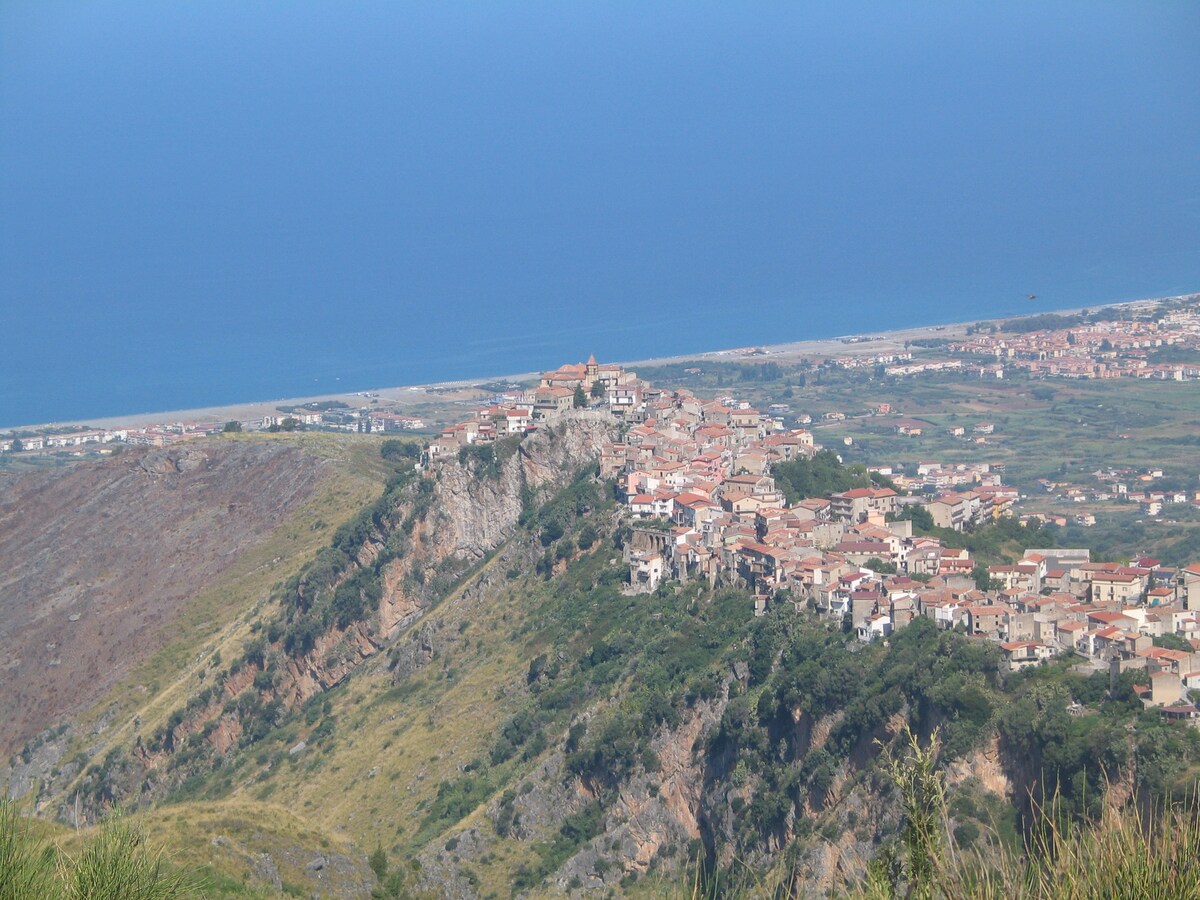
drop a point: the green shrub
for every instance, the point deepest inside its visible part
(1127, 853)
(27, 862)
(115, 864)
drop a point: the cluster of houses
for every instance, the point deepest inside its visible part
(59, 441)
(1100, 350)
(161, 435)
(1057, 600)
(695, 477)
(870, 361)
(584, 384)
(987, 370)
(931, 475)
(1124, 485)
(369, 420)
(902, 365)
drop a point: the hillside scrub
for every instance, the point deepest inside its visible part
(748, 743)
(329, 609)
(652, 659)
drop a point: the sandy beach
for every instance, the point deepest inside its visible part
(464, 392)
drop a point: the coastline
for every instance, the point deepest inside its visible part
(463, 391)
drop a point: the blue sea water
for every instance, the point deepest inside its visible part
(210, 202)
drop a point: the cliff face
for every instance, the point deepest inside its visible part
(693, 805)
(416, 544)
(480, 510)
(474, 508)
(476, 505)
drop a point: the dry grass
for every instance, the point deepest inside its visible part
(218, 619)
(412, 736)
(1127, 855)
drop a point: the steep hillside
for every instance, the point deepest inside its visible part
(115, 570)
(460, 681)
(393, 559)
(99, 559)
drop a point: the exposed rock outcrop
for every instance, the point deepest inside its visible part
(434, 531)
(471, 514)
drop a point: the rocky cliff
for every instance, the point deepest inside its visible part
(462, 679)
(435, 531)
(399, 557)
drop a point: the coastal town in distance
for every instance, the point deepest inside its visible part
(711, 489)
(1149, 339)
(505, 452)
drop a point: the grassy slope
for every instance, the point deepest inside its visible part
(218, 619)
(220, 847)
(390, 748)
(242, 831)
(393, 746)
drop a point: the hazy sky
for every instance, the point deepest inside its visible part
(214, 201)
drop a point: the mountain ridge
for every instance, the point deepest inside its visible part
(482, 699)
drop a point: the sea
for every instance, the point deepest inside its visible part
(206, 203)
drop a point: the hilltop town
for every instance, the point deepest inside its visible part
(707, 489)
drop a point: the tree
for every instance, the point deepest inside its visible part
(580, 397)
(379, 862)
(597, 389)
(232, 427)
(983, 581)
(1172, 642)
(875, 564)
(396, 450)
(918, 514)
(18, 445)
(819, 476)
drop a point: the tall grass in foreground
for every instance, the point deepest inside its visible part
(1126, 855)
(114, 864)
(26, 861)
